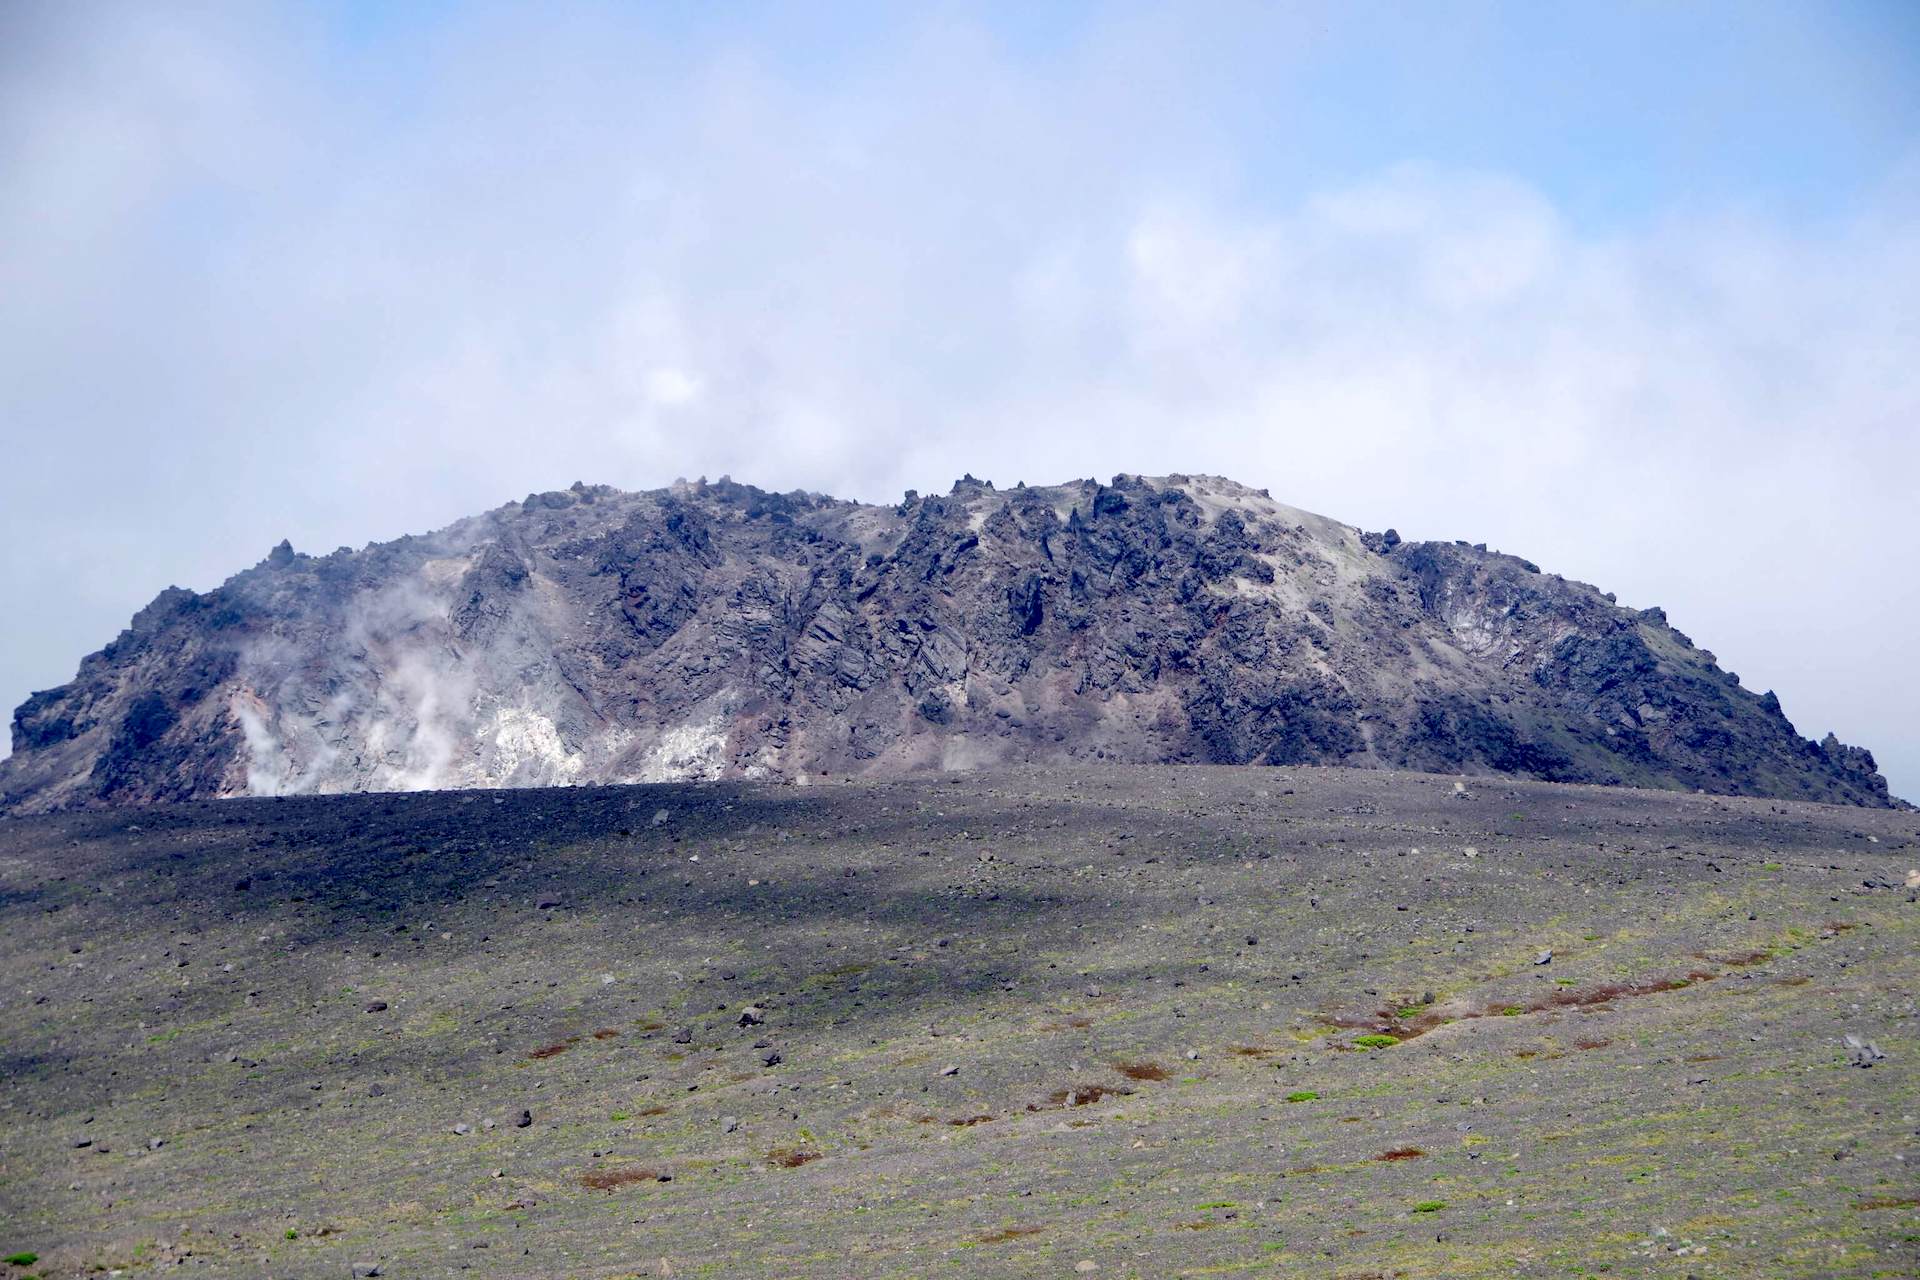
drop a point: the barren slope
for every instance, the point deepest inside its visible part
(1011, 1024)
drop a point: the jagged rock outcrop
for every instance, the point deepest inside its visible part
(717, 630)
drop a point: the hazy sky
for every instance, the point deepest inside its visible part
(1633, 291)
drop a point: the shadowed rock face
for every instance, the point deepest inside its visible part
(716, 630)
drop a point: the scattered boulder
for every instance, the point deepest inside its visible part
(1862, 1052)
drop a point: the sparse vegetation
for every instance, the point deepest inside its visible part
(1156, 1182)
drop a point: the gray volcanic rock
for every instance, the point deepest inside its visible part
(717, 630)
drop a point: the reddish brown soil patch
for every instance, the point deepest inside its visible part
(552, 1050)
(644, 1112)
(1388, 1022)
(1252, 1051)
(605, 1033)
(1591, 1044)
(791, 1157)
(1797, 980)
(1081, 1095)
(611, 1179)
(1526, 1053)
(1141, 1070)
(1076, 1022)
(1741, 959)
(967, 1122)
(1198, 1224)
(1401, 1153)
(1903, 1202)
(1704, 1057)
(1005, 1234)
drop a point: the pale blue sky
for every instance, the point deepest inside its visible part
(1619, 112)
(1627, 289)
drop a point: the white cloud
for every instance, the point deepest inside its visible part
(243, 303)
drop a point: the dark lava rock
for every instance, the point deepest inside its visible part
(718, 630)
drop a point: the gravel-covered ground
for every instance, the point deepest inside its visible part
(1107, 1022)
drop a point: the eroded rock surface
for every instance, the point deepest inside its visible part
(717, 630)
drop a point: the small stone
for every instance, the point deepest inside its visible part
(1086, 1266)
(82, 1144)
(660, 817)
(546, 904)
(376, 1090)
(524, 1119)
(154, 1144)
(463, 1129)
(752, 1016)
(368, 1269)
(772, 1059)
(729, 1124)
(487, 1123)
(1193, 1055)
(1545, 957)
(377, 1006)
(949, 1071)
